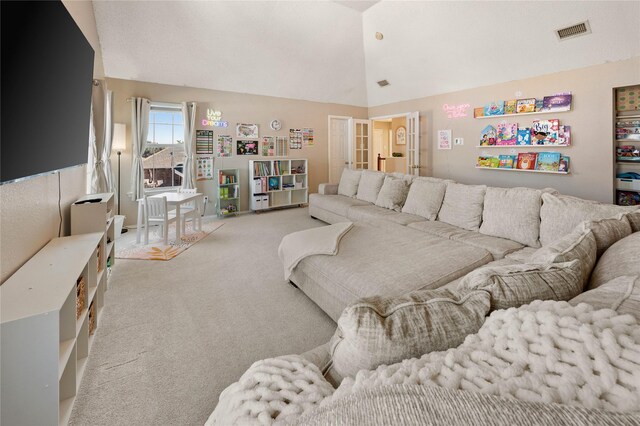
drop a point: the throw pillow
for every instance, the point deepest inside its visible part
(620, 259)
(370, 184)
(462, 206)
(634, 220)
(622, 294)
(580, 244)
(608, 231)
(516, 285)
(559, 214)
(385, 330)
(512, 213)
(393, 193)
(425, 198)
(349, 181)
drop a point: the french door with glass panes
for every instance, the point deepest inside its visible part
(360, 144)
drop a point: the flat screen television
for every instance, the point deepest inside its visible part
(47, 73)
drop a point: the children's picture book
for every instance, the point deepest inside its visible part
(526, 161)
(488, 136)
(545, 132)
(247, 147)
(510, 106)
(506, 133)
(274, 184)
(559, 102)
(507, 161)
(564, 135)
(548, 161)
(524, 136)
(539, 103)
(494, 108)
(564, 164)
(488, 161)
(478, 112)
(526, 105)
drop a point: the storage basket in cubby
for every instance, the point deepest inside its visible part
(92, 318)
(81, 296)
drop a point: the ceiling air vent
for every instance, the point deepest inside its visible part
(383, 83)
(574, 31)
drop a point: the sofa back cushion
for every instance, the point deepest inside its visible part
(512, 286)
(559, 214)
(349, 181)
(608, 231)
(393, 193)
(512, 213)
(622, 258)
(385, 330)
(622, 294)
(425, 198)
(580, 244)
(462, 206)
(369, 186)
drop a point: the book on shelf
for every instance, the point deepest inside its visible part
(526, 105)
(548, 161)
(488, 162)
(545, 132)
(478, 112)
(507, 161)
(564, 164)
(510, 106)
(494, 108)
(526, 161)
(564, 135)
(489, 136)
(539, 103)
(274, 184)
(506, 133)
(524, 136)
(559, 102)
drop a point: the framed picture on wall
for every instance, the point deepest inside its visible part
(401, 136)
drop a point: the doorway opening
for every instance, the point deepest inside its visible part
(390, 144)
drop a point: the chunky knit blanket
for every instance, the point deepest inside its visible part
(544, 352)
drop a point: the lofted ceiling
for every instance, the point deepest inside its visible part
(326, 51)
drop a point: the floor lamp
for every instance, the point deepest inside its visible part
(119, 145)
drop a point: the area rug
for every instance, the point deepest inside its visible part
(157, 250)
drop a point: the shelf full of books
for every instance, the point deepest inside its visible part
(537, 162)
(278, 183)
(627, 145)
(560, 102)
(542, 133)
(228, 192)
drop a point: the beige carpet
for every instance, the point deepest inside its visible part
(175, 334)
(127, 248)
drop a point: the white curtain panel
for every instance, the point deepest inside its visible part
(139, 128)
(189, 119)
(108, 140)
(97, 181)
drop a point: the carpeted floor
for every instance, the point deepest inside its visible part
(174, 334)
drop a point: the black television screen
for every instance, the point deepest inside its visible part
(47, 73)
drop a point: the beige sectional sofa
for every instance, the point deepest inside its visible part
(433, 271)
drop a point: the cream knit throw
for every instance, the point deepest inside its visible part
(271, 391)
(543, 352)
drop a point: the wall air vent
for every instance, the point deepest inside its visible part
(383, 83)
(574, 31)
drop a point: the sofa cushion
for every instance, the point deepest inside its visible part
(349, 181)
(559, 214)
(579, 244)
(498, 247)
(620, 259)
(425, 198)
(369, 213)
(338, 204)
(393, 193)
(453, 285)
(621, 294)
(608, 231)
(523, 255)
(405, 177)
(369, 186)
(512, 213)
(462, 205)
(385, 330)
(516, 285)
(634, 220)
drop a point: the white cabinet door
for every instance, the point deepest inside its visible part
(413, 143)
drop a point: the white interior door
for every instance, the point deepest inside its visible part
(413, 143)
(339, 146)
(361, 144)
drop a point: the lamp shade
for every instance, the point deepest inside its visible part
(119, 137)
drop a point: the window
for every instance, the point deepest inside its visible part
(163, 159)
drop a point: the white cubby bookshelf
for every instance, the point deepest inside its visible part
(45, 328)
(227, 192)
(278, 183)
(96, 217)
